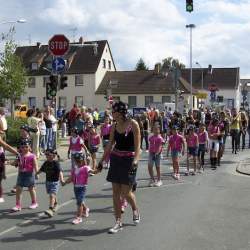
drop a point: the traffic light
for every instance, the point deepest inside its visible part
(51, 87)
(63, 82)
(189, 5)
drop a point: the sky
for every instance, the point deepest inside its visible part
(152, 30)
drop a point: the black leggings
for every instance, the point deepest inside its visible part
(235, 133)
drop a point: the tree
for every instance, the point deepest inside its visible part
(172, 62)
(141, 65)
(12, 73)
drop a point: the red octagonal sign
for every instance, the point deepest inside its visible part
(58, 45)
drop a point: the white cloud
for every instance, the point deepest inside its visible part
(66, 12)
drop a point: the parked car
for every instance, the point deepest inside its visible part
(21, 111)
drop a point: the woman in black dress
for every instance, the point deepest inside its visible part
(124, 150)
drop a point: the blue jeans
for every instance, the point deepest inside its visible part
(54, 140)
(42, 141)
(49, 138)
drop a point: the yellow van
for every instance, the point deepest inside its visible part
(21, 111)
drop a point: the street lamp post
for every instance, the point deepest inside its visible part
(14, 21)
(191, 27)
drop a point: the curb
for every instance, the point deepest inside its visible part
(241, 172)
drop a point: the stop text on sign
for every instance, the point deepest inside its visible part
(58, 45)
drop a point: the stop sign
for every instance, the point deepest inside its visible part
(58, 45)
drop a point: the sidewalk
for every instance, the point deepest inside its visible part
(244, 167)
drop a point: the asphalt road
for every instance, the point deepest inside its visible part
(207, 211)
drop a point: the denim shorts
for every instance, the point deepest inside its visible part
(193, 151)
(175, 154)
(52, 187)
(93, 149)
(80, 194)
(154, 158)
(202, 149)
(25, 179)
(105, 143)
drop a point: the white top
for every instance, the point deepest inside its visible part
(4, 122)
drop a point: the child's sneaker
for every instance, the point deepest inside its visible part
(158, 183)
(178, 176)
(77, 220)
(136, 217)
(16, 208)
(1, 199)
(33, 205)
(86, 214)
(116, 228)
(49, 212)
(187, 173)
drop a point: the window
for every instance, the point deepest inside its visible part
(78, 80)
(148, 100)
(34, 66)
(45, 80)
(79, 100)
(132, 101)
(63, 102)
(104, 63)
(166, 99)
(32, 82)
(32, 102)
(109, 64)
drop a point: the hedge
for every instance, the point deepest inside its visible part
(13, 132)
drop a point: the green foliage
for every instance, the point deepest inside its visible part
(172, 62)
(141, 65)
(12, 72)
(13, 133)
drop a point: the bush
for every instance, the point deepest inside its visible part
(13, 132)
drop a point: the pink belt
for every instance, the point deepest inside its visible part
(123, 153)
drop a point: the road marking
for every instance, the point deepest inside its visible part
(39, 216)
(59, 245)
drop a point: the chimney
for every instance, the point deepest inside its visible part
(81, 40)
(38, 44)
(157, 68)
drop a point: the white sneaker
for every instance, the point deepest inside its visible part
(33, 206)
(16, 208)
(158, 183)
(151, 183)
(178, 176)
(77, 220)
(1, 200)
(116, 228)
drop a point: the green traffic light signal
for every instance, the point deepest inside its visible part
(189, 5)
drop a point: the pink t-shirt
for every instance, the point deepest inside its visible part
(26, 163)
(192, 140)
(80, 175)
(75, 144)
(155, 143)
(203, 137)
(175, 142)
(95, 140)
(213, 130)
(106, 129)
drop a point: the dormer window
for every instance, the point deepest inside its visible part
(34, 66)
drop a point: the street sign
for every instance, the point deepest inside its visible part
(58, 45)
(139, 111)
(213, 87)
(201, 95)
(213, 96)
(58, 64)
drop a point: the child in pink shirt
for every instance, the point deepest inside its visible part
(76, 145)
(27, 165)
(94, 141)
(79, 176)
(192, 145)
(155, 148)
(177, 146)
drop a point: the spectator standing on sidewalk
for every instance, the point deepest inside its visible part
(124, 150)
(3, 124)
(145, 124)
(42, 129)
(72, 116)
(33, 123)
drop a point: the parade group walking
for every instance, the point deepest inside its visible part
(123, 138)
